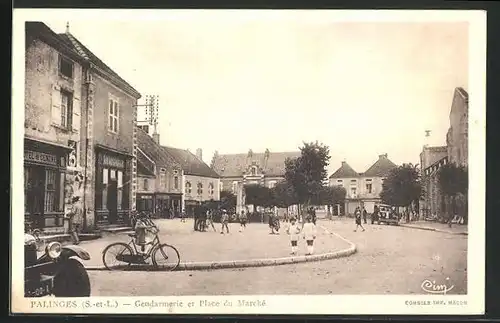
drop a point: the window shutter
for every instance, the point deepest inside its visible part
(76, 114)
(56, 105)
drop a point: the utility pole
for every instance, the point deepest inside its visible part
(150, 106)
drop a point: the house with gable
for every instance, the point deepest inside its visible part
(199, 182)
(159, 178)
(362, 189)
(237, 170)
(110, 145)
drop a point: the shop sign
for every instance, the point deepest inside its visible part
(112, 161)
(39, 157)
(145, 197)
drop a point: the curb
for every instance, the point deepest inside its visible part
(433, 229)
(207, 265)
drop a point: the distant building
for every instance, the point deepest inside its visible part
(455, 151)
(238, 170)
(362, 189)
(159, 178)
(200, 183)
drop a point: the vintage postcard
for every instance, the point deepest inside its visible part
(248, 162)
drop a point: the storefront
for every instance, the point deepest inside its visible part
(44, 176)
(190, 206)
(112, 193)
(168, 205)
(145, 202)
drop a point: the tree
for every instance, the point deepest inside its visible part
(402, 187)
(454, 181)
(284, 194)
(227, 200)
(308, 172)
(258, 195)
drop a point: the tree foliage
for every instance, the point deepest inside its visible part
(258, 195)
(227, 200)
(402, 186)
(453, 179)
(307, 173)
(284, 194)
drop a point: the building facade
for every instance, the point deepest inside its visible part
(362, 189)
(456, 151)
(110, 114)
(199, 182)
(52, 140)
(238, 170)
(159, 176)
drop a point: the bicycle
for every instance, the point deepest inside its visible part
(128, 253)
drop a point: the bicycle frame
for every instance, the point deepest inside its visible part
(154, 243)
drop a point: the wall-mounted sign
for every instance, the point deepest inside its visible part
(39, 157)
(111, 161)
(72, 158)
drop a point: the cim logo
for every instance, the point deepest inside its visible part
(433, 288)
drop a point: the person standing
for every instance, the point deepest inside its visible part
(210, 220)
(243, 221)
(309, 234)
(183, 215)
(224, 222)
(293, 231)
(357, 216)
(365, 214)
(74, 219)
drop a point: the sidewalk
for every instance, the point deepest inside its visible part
(436, 226)
(252, 247)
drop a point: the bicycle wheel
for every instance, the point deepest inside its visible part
(111, 253)
(166, 257)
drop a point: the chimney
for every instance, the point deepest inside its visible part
(199, 153)
(156, 137)
(382, 156)
(343, 163)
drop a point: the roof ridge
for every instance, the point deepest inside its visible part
(77, 46)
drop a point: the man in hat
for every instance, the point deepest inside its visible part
(74, 219)
(224, 222)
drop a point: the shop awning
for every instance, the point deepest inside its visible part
(40, 142)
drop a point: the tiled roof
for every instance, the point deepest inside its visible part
(345, 171)
(190, 164)
(235, 165)
(87, 54)
(44, 33)
(142, 169)
(381, 167)
(154, 151)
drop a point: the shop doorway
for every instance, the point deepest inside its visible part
(34, 186)
(112, 204)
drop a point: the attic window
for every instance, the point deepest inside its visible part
(66, 67)
(339, 181)
(353, 181)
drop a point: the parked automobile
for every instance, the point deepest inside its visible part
(387, 215)
(56, 272)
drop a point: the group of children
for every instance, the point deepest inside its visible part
(308, 230)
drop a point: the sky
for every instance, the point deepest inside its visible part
(362, 88)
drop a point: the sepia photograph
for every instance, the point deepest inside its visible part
(248, 161)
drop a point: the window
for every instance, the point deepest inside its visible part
(50, 191)
(272, 184)
(176, 182)
(188, 188)
(254, 170)
(235, 187)
(163, 182)
(353, 181)
(113, 116)
(353, 191)
(221, 186)
(340, 181)
(145, 128)
(211, 188)
(146, 184)
(66, 109)
(119, 185)
(369, 188)
(65, 67)
(200, 189)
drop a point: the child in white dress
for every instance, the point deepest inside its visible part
(309, 233)
(293, 230)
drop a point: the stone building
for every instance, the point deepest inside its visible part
(238, 170)
(199, 182)
(455, 151)
(159, 178)
(52, 127)
(362, 189)
(109, 128)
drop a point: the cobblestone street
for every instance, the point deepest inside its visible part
(389, 260)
